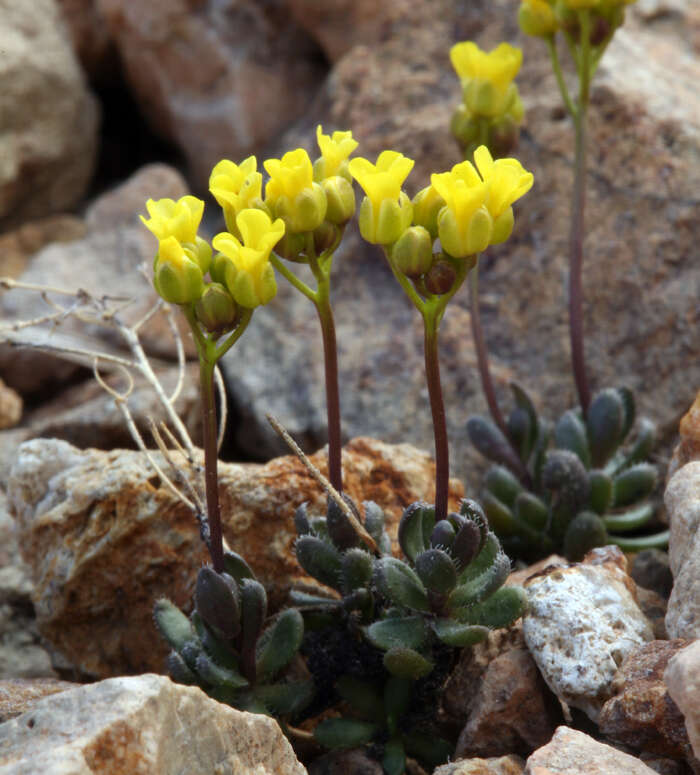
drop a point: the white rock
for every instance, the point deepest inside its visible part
(682, 678)
(682, 499)
(142, 725)
(571, 752)
(582, 622)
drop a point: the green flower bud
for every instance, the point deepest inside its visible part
(305, 212)
(216, 309)
(412, 253)
(178, 276)
(389, 223)
(291, 247)
(325, 237)
(427, 203)
(341, 199)
(440, 278)
(460, 239)
(202, 251)
(483, 98)
(502, 227)
(536, 17)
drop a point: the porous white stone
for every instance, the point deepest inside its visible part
(583, 620)
(682, 678)
(142, 725)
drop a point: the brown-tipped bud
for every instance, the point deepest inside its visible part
(412, 253)
(291, 247)
(325, 237)
(440, 278)
(463, 126)
(216, 310)
(600, 29)
(503, 137)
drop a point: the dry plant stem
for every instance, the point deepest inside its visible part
(482, 353)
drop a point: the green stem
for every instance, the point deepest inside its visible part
(561, 83)
(300, 285)
(437, 409)
(482, 353)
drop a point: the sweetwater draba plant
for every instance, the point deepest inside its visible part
(590, 488)
(225, 646)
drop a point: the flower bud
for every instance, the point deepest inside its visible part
(341, 199)
(291, 247)
(326, 236)
(412, 253)
(217, 268)
(305, 212)
(461, 239)
(387, 225)
(427, 203)
(483, 98)
(464, 127)
(440, 278)
(536, 17)
(503, 136)
(178, 277)
(502, 227)
(202, 251)
(216, 309)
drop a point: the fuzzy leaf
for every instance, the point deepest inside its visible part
(443, 535)
(217, 599)
(416, 522)
(643, 442)
(303, 599)
(172, 624)
(237, 567)
(301, 519)
(406, 663)
(319, 559)
(374, 525)
(397, 695)
(487, 437)
(356, 570)
(216, 675)
(520, 432)
(394, 759)
(362, 697)
(483, 586)
(570, 433)
(503, 484)
(283, 699)
(190, 651)
(539, 454)
(524, 402)
(454, 633)
(215, 646)
(467, 543)
(500, 517)
(279, 642)
(436, 570)
(430, 749)
(253, 613)
(629, 520)
(178, 670)
(531, 510)
(408, 631)
(483, 561)
(600, 486)
(499, 610)
(634, 483)
(400, 584)
(586, 531)
(630, 411)
(605, 420)
(344, 733)
(471, 510)
(340, 528)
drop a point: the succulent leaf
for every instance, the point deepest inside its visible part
(237, 567)
(283, 699)
(586, 531)
(472, 510)
(397, 695)
(467, 544)
(400, 584)
(605, 421)
(483, 561)
(172, 624)
(499, 610)
(190, 651)
(600, 487)
(319, 559)
(374, 524)
(488, 438)
(217, 675)
(482, 586)
(632, 519)
(531, 510)
(436, 570)
(630, 411)
(279, 642)
(344, 733)
(416, 522)
(217, 600)
(643, 442)
(503, 484)
(301, 519)
(406, 663)
(570, 433)
(443, 534)
(634, 483)
(178, 670)
(520, 432)
(457, 634)
(499, 515)
(356, 570)
(253, 612)
(215, 646)
(340, 528)
(408, 631)
(305, 599)
(362, 697)
(394, 758)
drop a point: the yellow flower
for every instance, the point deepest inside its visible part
(292, 194)
(177, 275)
(335, 151)
(507, 181)
(464, 224)
(236, 187)
(487, 76)
(174, 219)
(386, 210)
(247, 271)
(536, 17)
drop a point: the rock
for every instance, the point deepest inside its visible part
(139, 725)
(396, 90)
(503, 765)
(105, 538)
(19, 245)
(89, 34)
(689, 447)
(10, 406)
(641, 714)
(355, 761)
(573, 753)
(18, 695)
(682, 499)
(682, 677)
(239, 74)
(654, 607)
(499, 699)
(105, 261)
(651, 570)
(583, 620)
(48, 153)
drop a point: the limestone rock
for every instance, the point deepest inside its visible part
(105, 261)
(502, 765)
(89, 34)
(682, 677)
(641, 714)
(105, 538)
(238, 74)
(396, 90)
(18, 695)
(573, 753)
(689, 447)
(47, 148)
(142, 725)
(583, 620)
(682, 499)
(498, 697)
